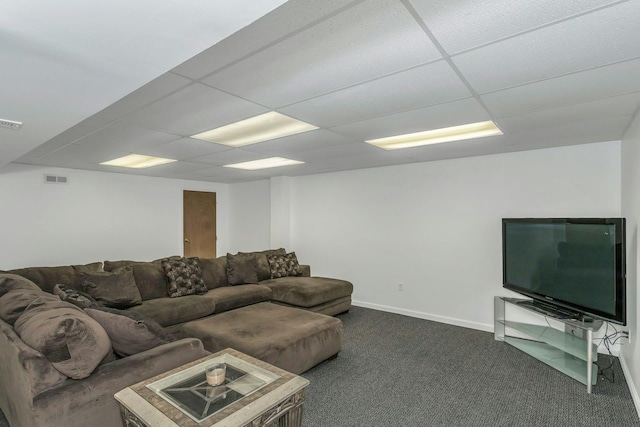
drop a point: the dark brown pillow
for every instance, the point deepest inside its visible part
(130, 332)
(72, 341)
(184, 277)
(264, 273)
(115, 289)
(9, 282)
(15, 302)
(284, 265)
(214, 271)
(242, 268)
(75, 297)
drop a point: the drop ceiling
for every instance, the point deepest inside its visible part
(549, 73)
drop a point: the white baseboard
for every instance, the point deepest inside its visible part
(632, 386)
(426, 316)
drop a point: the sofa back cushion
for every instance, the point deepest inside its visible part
(70, 339)
(47, 277)
(214, 271)
(149, 277)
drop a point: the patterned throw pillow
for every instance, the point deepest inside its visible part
(75, 297)
(184, 277)
(284, 265)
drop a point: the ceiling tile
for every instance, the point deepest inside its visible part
(235, 155)
(434, 117)
(331, 55)
(184, 148)
(192, 110)
(461, 24)
(291, 145)
(152, 91)
(418, 87)
(335, 151)
(288, 18)
(624, 105)
(573, 88)
(600, 38)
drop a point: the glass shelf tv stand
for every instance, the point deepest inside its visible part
(571, 351)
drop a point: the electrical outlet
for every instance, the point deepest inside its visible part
(628, 335)
(400, 287)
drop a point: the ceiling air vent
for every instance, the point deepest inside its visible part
(10, 124)
(52, 179)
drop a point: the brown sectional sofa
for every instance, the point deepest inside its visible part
(275, 320)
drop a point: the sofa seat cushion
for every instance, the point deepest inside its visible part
(308, 291)
(171, 311)
(229, 297)
(289, 338)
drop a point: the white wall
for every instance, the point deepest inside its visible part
(630, 356)
(249, 219)
(436, 227)
(95, 217)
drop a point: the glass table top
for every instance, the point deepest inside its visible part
(189, 392)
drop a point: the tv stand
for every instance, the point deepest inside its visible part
(571, 351)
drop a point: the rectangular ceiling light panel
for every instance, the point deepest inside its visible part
(256, 129)
(137, 161)
(271, 162)
(437, 136)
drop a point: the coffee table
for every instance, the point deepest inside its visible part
(254, 394)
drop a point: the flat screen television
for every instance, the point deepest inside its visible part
(577, 264)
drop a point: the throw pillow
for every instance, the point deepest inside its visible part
(75, 297)
(15, 302)
(184, 276)
(115, 289)
(242, 268)
(130, 332)
(284, 265)
(72, 341)
(9, 282)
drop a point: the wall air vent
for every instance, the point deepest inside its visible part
(52, 179)
(10, 124)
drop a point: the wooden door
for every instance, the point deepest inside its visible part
(199, 217)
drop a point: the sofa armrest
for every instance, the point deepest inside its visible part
(91, 399)
(306, 270)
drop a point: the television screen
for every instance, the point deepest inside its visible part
(574, 263)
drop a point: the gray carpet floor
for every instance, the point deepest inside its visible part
(401, 371)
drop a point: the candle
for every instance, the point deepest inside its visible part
(215, 375)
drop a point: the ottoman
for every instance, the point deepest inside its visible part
(291, 339)
(318, 294)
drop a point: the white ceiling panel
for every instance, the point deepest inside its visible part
(291, 145)
(192, 110)
(235, 155)
(331, 55)
(588, 85)
(417, 87)
(290, 17)
(599, 38)
(438, 116)
(184, 148)
(152, 91)
(624, 105)
(461, 24)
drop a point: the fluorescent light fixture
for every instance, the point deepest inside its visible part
(437, 136)
(256, 129)
(137, 161)
(271, 162)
